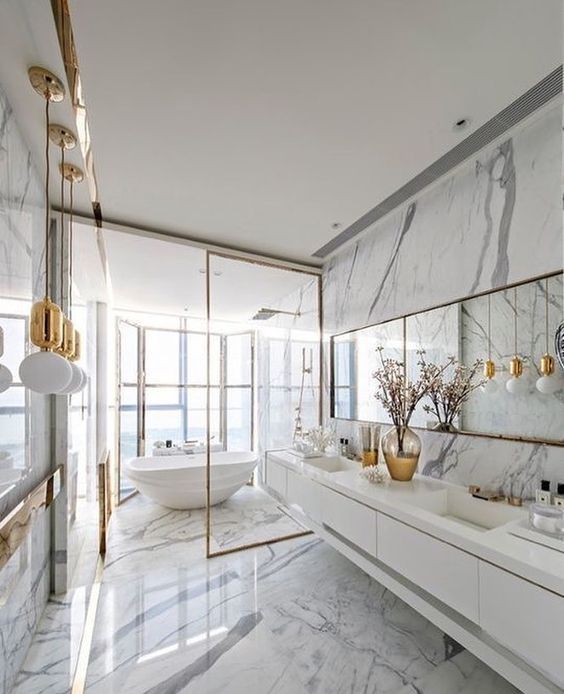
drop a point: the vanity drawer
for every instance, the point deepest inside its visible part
(306, 494)
(449, 574)
(354, 521)
(525, 618)
(276, 476)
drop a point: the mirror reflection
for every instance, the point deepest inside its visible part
(499, 345)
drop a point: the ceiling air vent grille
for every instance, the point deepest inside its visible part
(524, 106)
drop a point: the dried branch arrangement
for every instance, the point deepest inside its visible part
(450, 386)
(398, 395)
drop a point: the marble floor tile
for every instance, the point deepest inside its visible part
(51, 659)
(294, 617)
(463, 674)
(250, 515)
(288, 618)
(144, 534)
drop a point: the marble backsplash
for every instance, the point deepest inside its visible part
(496, 220)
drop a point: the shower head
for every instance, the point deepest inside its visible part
(266, 313)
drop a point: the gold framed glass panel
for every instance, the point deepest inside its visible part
(269, 316)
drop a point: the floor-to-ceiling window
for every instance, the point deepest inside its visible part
(162, 389)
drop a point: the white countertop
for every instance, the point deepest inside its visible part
(401, 500)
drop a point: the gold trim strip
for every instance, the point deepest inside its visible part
(67, 45)
(15, 526)
(81, 670)
(104, 502)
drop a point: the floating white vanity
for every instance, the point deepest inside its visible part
(449, 555)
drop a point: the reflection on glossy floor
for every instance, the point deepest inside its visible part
(50, 662)
(290, 618)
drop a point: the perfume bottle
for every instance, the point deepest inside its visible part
(543, 495)
(559, 496)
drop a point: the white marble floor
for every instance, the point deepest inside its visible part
(288, 618)
(50, 662)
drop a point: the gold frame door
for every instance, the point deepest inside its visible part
(139, 385)
(208, 520)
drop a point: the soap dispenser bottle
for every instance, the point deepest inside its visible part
(543, 495)
(559, 496)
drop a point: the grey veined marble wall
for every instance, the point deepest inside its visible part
(25, 417)
(496, 220)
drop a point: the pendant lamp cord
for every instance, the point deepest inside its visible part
(546, 312)
(71, 203)
(515, 321)
(489, 327)
(62, 220)
(47, 210)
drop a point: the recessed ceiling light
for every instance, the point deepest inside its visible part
(461, 124)
(217, 273)
(336, 225)
(202, 270)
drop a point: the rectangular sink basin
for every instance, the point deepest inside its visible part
(460, 507)
(332, 463)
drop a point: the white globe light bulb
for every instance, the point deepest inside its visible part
(5, 378)
(83, 380)
(547, 385)
(75, 382)
(516, 385)
(45, 372)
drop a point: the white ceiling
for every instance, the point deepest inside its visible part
(259, 123)
(28, 37)
(164, 277)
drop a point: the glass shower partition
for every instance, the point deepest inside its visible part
(269, 316)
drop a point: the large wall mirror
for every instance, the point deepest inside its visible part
(519, 320)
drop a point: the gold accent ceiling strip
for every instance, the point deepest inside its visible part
(67, 45)
(16, 525)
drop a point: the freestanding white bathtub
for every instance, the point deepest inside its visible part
(179, 481)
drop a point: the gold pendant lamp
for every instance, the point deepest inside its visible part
(548, 383)
(46, 371)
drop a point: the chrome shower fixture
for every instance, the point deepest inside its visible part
(266, 313)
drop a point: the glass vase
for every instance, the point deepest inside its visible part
(401, 448)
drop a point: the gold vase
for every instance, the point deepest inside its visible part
(401, 448)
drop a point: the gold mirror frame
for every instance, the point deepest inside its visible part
(404, 317)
